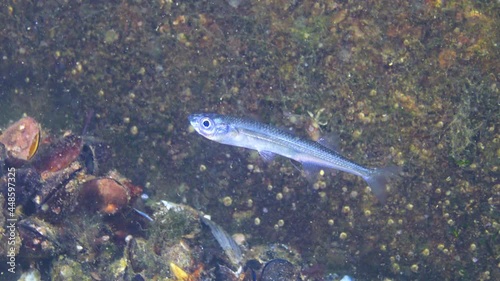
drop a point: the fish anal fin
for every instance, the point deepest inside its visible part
(311, 171)
(267, 155)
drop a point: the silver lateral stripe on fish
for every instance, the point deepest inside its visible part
(268, 141)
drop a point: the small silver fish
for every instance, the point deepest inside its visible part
(269, 141)
(146, 216)
(227, 243)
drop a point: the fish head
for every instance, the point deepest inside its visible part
(211, 126)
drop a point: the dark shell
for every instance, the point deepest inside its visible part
(39, 238)
(58, 193)
(279, 270)
(94, 155)
(89, 159)
(137, 250)
(28, 184)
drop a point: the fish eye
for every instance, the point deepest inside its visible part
(206, 123)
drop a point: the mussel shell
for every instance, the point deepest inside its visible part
(89, 159)
(94, 155)
(58, 193)
(105, 194)
(138, 251)
(59, 154)
(22, 138)
(279, 270)
(28, 183)
(38, 238)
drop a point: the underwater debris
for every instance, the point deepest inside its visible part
(48, 194)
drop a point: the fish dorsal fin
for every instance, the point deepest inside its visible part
(267, 155)
(331, 142)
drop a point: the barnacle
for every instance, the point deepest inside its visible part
(317, 117)
(313, 124)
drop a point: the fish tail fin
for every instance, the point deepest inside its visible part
(377, 180)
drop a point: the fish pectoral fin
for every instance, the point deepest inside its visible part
(267, 155)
